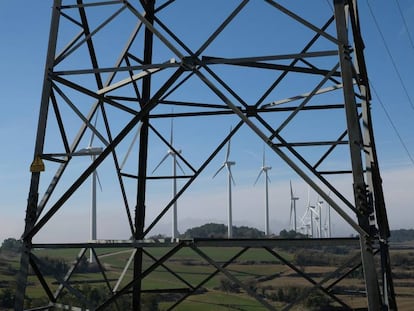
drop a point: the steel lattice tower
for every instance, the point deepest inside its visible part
(116, 69)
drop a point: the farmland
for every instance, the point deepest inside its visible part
(258, 271)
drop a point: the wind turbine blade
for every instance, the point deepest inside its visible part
(291, 190)
(134, 139)
(179, 166)
(162, 160)
(231, 175)
(264, 160)
(258, 176)
(99, 181)
(228, 150)
(221, 167)
(268, 179)
(93, 133)
(172, 132)
(291, 211)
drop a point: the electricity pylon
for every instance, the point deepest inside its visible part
(204, 59)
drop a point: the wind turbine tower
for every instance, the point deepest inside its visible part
(92, 152)
(173, 153)
(264, 169)
(319, 205)
(228, 164)
(293, 200)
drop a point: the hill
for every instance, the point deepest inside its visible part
(213, 230)
(402, 235)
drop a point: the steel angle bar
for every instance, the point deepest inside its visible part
(330, 150)
(61, 56)
(59, 122)
(80, 115)
(124, 271)
(302, 21)
(328, 277)
(93, 94)
(74, 21)
(173, 35)
(150, 26)
(208, 60)
(63, 166)
(82, 130)
(319, 176)
(305, 163)
(232, 278)
(169, 270)
(128, 286)
(227, 88)
(305, 101)
(185, 104)
(261, 243)
(92, 167)
(347, 273)
(304, 95)
(192, 178)
(213, 274)
(64, 283)
(281, 154)
(178, 154)
(70, 272)
(225, 23)
(146, 72)
(89, 43)
(91, 4)
(313, 67)
(306, 277)
(314, 143)
(304, 50)
(41, 279)
(288, 68)
(144, 67)
(164, 5)
(88, 35)
(101, 268)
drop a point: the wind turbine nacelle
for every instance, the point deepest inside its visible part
(230, 162)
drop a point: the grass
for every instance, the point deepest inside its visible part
(255, 265)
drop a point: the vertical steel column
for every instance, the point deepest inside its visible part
(32, 201)
(356, 146)
(373, 173)
(143, 154)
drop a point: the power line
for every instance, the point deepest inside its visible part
(392, 124)
(391, 57)
(405, 24)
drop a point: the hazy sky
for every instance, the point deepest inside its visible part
(23, 36)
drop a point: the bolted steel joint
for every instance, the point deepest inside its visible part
(189, 63)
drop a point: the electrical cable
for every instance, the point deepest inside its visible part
(392, 124)
(405, 25)
(391, 57)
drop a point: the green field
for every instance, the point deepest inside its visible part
(257, 270)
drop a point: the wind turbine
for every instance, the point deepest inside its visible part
(92, 152)
(319, 205)
(227, 164)
(173, 153)
(264, 169)
(307, 218)
(327, 224)
(293, 200)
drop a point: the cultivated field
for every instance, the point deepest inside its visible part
(258, 271)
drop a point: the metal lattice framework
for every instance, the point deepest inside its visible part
(116, 69)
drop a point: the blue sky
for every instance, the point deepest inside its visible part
(24, 35)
